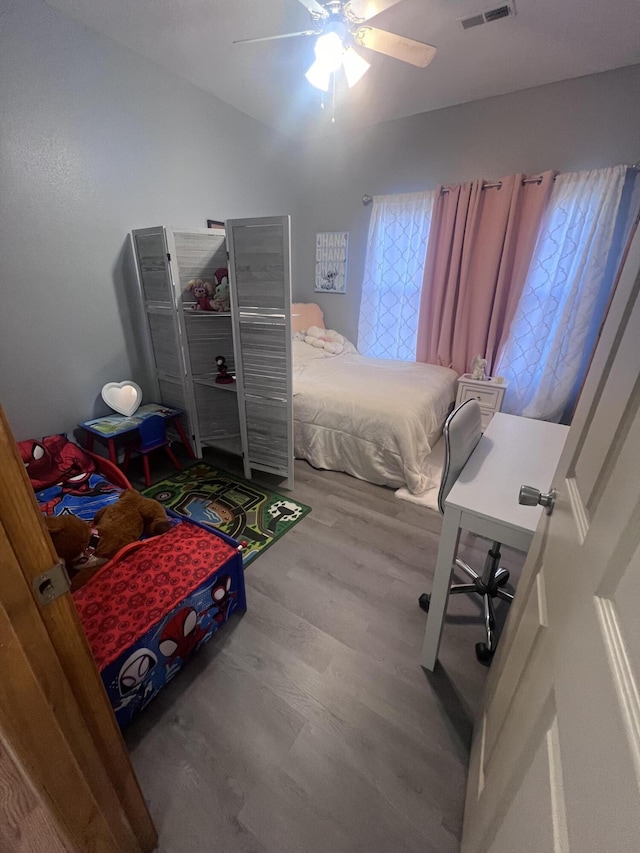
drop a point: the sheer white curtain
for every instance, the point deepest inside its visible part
(394, 267)
(563, 291)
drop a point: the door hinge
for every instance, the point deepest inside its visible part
(169, 257)
(52, 584)
(227, 255)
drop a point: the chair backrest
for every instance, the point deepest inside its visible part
(462, 431)
(152, 432)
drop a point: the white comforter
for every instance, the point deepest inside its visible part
(373, 418)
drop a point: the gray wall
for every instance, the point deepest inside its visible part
(577, 124)
(96, 141)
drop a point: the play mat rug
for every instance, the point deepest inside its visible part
(242, 509)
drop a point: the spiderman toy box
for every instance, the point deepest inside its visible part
(148, 615)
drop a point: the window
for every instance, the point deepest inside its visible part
(394, 267)
(564, 294)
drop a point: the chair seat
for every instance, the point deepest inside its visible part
(137, 446)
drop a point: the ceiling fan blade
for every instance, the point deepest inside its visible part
(365, 9)
(274, 38)
(399, 47)
(316, 8)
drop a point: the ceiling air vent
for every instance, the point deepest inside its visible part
(473, 21)
(506, 10)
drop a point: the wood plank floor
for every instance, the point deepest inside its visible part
(307, 725)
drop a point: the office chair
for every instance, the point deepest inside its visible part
(152, 436)
(462, 431)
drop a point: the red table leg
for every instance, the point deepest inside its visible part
(183, 437)
(147, 472)
(113, 456)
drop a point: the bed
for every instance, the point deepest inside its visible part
(375, 419)
(157, 601)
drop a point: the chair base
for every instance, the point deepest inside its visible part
(489, 586)
(129, 449)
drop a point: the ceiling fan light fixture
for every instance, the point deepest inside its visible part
(319, 76)
(329, 50)
(355, 66)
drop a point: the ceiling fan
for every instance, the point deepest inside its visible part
(340, 26)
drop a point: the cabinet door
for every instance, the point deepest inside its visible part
(157, 299)
(260, 274)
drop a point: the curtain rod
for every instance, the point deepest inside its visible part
(367, 199)
(498, 184)
(534, 180)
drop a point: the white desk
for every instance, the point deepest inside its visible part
(484, 500)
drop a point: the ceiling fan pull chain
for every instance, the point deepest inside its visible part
(333, 105)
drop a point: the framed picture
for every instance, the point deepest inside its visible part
(215, 224)
(331, 261)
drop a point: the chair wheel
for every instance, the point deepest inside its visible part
(484, 654)
(504, 579)
(424, 601)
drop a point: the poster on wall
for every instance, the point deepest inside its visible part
(331, 261)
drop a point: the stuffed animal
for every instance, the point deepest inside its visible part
(221, 300)
(70, 536)
(478, 366)
(203, 293)
(332, 342)
(223, 377)
(84, 546)
(126, 520)
(75, 542)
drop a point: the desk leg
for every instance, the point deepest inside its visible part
(113, 456)
(440, 589)
(183, 437)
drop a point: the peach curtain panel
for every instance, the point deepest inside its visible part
(480, 247)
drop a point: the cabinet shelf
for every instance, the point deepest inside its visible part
(211, 383)
(197, 313)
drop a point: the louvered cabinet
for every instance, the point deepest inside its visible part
(260, 270)
(253, 416)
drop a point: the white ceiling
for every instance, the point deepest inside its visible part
(548, 40)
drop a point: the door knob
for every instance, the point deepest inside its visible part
(532, 497)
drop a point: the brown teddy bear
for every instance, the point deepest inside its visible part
(126, 520)
(85, 547)
(70, 536)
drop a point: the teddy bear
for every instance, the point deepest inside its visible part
(85, 547)
(70, 536)
(126, 520)
(332, 342)
(203, 294)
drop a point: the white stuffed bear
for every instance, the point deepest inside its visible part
(327, 339)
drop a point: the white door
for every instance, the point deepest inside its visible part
(555, 763)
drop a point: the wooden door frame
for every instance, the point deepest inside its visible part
(26, 822)
(54, 710)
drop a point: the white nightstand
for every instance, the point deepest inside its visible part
(488, 392)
